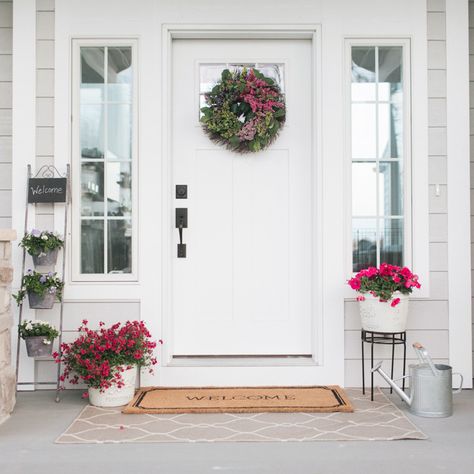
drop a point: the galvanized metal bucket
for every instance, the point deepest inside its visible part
(431, 393)
(45, 301)
(38, 346)
(47, 259)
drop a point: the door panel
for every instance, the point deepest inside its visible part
(245, 286)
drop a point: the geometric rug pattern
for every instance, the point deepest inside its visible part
(371, 421)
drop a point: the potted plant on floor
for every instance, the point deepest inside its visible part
(43, 289)
(39, 337)
(106, 360)
(43, 246)
(383, 299)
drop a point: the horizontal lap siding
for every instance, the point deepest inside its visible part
(6, 29)
(471, 93)
(428, 319)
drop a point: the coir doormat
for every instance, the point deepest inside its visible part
(164, 400)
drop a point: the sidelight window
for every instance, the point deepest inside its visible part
(106, 159)
(378, 144)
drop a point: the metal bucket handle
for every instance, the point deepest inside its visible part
(424, 357)
(459, 389)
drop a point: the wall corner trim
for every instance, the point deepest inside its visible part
(459, 258)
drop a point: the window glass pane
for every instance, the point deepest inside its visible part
(92, 189)
(119, 189)
(390, 188)
(119, 246)
(390, 73)
(275, 72)
(363, 131)
(92, 131)
(92, 246)
(390, 130)
(364, 189)
(92, 75)
(364, 243)
(119, 74)
(391, 241)
(119, 132)
(209, 75)
(363, 73)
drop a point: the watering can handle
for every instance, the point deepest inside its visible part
(424, 357)
(458, 390)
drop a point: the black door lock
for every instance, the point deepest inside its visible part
(181, 222)
(181, 191)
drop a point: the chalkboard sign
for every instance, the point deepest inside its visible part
(47, 190)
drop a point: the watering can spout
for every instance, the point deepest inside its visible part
(400, 392)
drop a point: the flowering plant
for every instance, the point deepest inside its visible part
(99, 357)
(39, 283)
(383, 282)
(38, 328)
(245, 110)
(39, 242)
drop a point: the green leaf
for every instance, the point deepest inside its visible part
(226, 75)
(280, 112)
(234, 141)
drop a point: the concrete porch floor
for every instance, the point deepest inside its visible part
(27, 446)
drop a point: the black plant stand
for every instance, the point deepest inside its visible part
(386, 338)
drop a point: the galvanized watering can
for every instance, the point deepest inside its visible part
(431, 393)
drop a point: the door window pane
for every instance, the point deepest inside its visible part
(92, 131)
(119, 246)
(92, 246)
(364, 243)
(119, 132)
(92, 189)
(119, 189)
(364, 140)
(391, 241)
(364, 188)
(119, 75)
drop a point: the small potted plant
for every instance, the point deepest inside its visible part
(39, 337)
(43, 289)
(383, 299)
(106, 360)
(43, 246)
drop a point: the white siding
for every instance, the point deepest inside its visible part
(5, 112)
(471, 87)
(428, 320)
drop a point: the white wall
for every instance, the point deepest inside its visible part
(429, 321)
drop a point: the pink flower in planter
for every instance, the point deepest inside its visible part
(395, 302)
(361, 298)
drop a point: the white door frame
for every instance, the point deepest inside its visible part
(327, 326)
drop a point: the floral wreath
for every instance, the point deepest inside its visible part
(244, 111)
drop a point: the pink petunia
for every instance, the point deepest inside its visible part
(395, 302)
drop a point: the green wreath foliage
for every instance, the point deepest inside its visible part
(244, 111)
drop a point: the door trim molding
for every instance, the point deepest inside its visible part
(327, 351)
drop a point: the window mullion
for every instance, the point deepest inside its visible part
(106, 147)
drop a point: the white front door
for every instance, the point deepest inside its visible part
(245, 287)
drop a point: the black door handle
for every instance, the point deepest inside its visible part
(181, 222)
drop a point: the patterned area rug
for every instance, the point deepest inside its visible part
(370, 421)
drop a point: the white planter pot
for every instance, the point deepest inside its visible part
(380, 316)
(114, 396)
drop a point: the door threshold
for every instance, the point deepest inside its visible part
(241, 360)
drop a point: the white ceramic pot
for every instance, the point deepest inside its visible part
(378, 316)
(114, 396)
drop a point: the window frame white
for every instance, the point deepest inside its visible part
(75, 253)
(405, 159)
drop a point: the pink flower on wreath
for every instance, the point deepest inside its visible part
(395, 302)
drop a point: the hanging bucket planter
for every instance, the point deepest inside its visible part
(46, 259)
(38, 346)
(45, 301)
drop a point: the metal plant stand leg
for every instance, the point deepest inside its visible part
(371, 367)
(404, 337)
(363, 359)
(393, 359)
